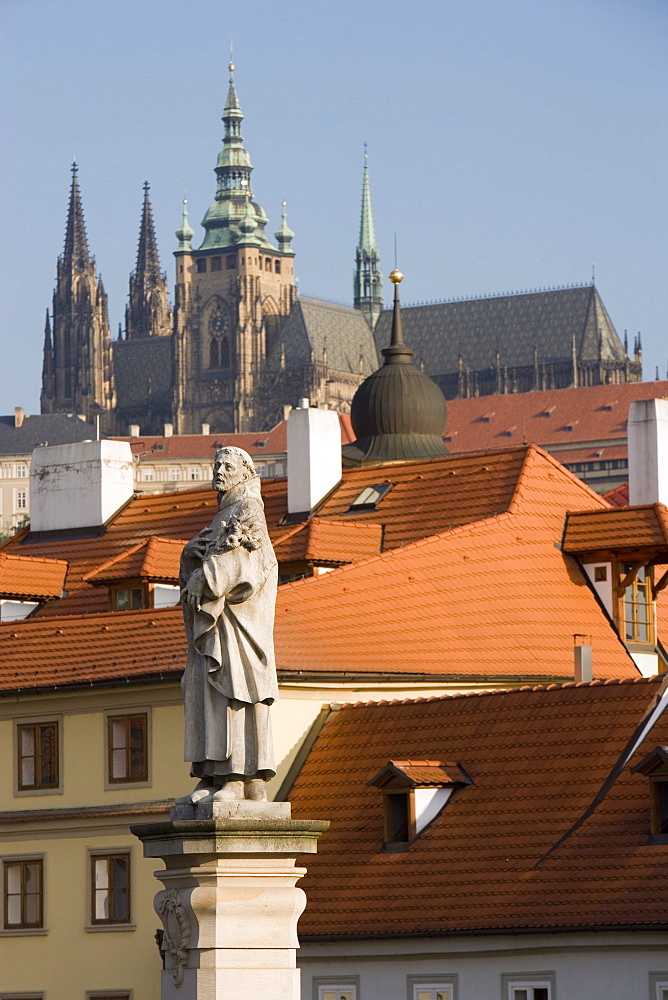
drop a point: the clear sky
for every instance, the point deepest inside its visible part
(512, 144)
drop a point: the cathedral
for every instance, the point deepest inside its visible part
(238, 343)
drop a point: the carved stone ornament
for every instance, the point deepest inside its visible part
(176, 922)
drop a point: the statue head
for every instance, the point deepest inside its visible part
(231, 467)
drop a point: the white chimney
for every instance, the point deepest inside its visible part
(314, 456)
(647, 440)
(206, 428)
(169, 430)
(79, 485)
(582, 659)
(133, 430)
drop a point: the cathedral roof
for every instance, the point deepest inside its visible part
(510, 324)
(315, 328)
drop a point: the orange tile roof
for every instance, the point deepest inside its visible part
(574, 417)
(328, 541)
(619, 497)
(204, 446)
(619, 529)
(493, 599)
(23, 576)
(421, 773)
(153, 559)
(537, 759)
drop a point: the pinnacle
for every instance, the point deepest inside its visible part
(148, 263)
(76, 242)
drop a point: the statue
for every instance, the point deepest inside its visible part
(228, 585)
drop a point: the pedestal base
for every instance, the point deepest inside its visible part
(230, 902)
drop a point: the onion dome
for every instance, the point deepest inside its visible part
(185, 234)
(248, 222)
(284, 235)
(398, 413)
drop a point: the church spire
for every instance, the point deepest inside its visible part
(234, 217)
(368, 291)
(147, 313)
(75, 254)
(148, 265)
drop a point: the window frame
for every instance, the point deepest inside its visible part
(658, 981)
(329, 983)
(435, 981)
(19, 723)
(628, 597)
(119, 713)
(111, 924)
(528, 980)
(130, 585)
(109, 994)
(7, 929)
(20, 501)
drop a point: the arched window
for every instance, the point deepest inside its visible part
(213, 353)
(277, 267)
(224, 353)
(267, 264)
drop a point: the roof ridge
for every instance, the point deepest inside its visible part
(493, 692)
(534, 452)
(89, 618)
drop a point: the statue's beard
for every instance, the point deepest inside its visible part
(224, 483)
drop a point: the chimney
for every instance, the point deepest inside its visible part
(582, 658)
(647, 442)
(19, 414)
(314, 456)
(79, 485)
(169, 430)
(206, 428)
(133, 430)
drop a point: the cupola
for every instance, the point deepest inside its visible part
(398, 413)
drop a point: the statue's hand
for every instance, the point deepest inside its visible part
(197, 546)
(193, 590)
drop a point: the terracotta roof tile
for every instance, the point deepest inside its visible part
(496, 598)
(643, 527)
(154, 559)
(570, 417)
(23, 576)
(619, 497)
(328, 541)
(537, 759)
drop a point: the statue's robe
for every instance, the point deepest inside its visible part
(229, 682)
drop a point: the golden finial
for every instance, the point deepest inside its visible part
(396, 276)
(231, 67)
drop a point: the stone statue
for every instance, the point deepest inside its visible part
(228, 585)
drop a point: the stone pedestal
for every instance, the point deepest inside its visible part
(230, 902)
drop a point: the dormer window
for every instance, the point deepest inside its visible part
(655, 767)
(414, 793)
(638, 604)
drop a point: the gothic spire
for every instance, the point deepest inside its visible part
(75, 253)
(368, 291)
(148, 265)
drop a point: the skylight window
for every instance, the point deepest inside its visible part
(370, 496)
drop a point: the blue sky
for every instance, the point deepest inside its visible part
(511, 144)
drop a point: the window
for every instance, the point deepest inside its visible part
(23, 897)
(201, 265)
(37, 756)
(216, 264)
(528, 986)
(195, 473)
(128, 597)
(370, 496)
(658, 985)
(432, 987)
(224, 353)
(277, 267)
(108, 995)
(174, 474)
(637, 604)
(213, 353)
(600, 574)
(110, 888)
(149, 475)
(343, 988)
(127, 748)
(20, 499)
(21, 470)
(655, 767)
(231, 262)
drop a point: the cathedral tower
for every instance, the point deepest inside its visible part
(147, 313)
(368, 291)
(77, 373)
(232, 295)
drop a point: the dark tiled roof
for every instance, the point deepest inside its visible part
(643, 528)
(313, 325)
(511, 324)
(41, 428)
(537, 758)
(143, 371)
